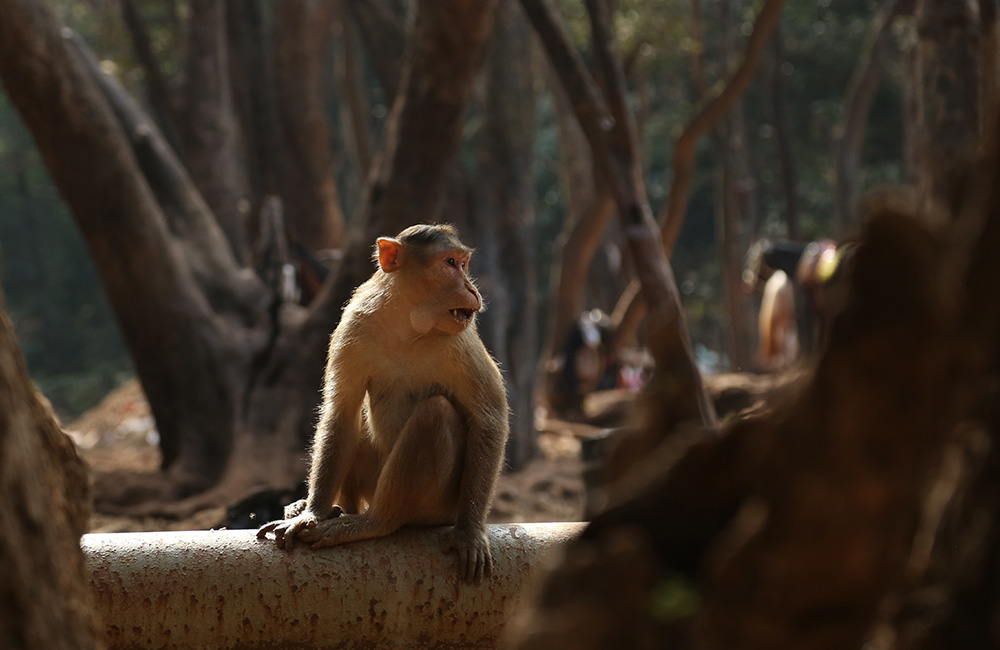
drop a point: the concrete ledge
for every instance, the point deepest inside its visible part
(226, 589)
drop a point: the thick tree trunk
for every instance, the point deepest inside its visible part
(753, 539)
(44, 508)
(506, 211)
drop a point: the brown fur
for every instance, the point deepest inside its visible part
(414, 417)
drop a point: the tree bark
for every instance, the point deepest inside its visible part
(45, 599)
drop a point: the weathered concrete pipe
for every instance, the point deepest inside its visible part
(226, 589)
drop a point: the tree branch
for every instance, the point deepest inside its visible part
(712, 110)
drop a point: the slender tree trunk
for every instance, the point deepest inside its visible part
(712, 110)
(789, 182)
(614, 146)
(251, 69)
(162, 95)
(506, 207)
(849, 134)
(989, 29)
(208, 127)
(948, 60)
(589, 210)
(308, 188)
(45, 599)
(383, 25)
(355, 106)
(732, 172)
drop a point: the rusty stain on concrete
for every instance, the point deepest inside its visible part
(228, 590)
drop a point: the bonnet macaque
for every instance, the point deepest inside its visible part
(414, 416)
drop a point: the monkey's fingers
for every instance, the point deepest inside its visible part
(267, 528)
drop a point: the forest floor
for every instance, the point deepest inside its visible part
(119, 434)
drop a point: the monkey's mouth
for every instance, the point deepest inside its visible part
(462, 315)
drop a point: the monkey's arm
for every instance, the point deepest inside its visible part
(487, 438)
(334, 446)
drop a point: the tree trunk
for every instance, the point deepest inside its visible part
(207, 126)
(355, 104)
(45, 599)
(589, 209)
(789, 182)
(731, 174)
(251, 69)
(711, 111)
(308, 189)
(989, 29)
(614, 146)
(948, 60)
(753, 539)
(849, 134)
(506, 209)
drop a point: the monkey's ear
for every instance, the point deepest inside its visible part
(390, 254)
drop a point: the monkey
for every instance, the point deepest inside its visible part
(414, 416)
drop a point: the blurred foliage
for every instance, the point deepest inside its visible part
(68, 332)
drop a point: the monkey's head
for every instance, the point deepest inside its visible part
(431, 265)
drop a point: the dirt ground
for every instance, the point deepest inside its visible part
(120, 434)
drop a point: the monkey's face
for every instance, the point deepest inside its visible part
(448, 299)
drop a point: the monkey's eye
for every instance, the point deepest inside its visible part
(451, 261)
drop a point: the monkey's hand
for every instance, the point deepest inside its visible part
(285, 530)
(472, 545)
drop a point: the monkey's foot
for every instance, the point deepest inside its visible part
(343, 529)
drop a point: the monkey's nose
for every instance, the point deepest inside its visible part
(475, 294)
